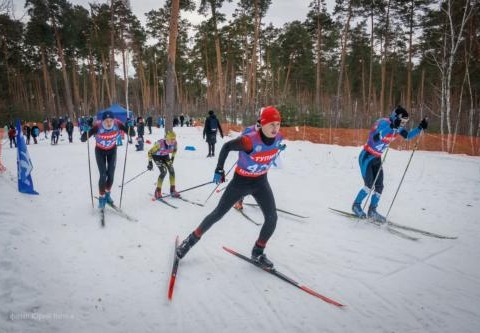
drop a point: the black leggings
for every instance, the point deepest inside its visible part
(163, 166)
(239, 187)
(106, 162)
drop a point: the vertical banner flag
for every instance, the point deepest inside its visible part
(24, 164)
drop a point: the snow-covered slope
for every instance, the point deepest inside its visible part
(61, 272)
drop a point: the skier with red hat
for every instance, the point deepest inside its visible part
(257, 152)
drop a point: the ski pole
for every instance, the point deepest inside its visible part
(188, 189)
(89, 169)
(125, 163)
(128, 181)
(404, 173)
(219, 184)
(375, 180)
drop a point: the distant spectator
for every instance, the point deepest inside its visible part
(12, 132)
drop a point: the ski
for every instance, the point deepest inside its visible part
(189, 201)
(102, 217)
(120, 212)
(280, 210)
(192, 202)
(173, 275)
(412, 229)
(163, 201)
(420, 231)
(386, 226)
(285, 278)
(246, 216)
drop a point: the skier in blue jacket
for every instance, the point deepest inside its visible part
(383, 132)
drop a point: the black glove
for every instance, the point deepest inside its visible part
(423, 124)
(219, 176)
(396, 123)
(83, 138)
(376, 137)
(150, 165)
(282, 147)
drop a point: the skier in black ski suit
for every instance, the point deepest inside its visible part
(210, 130)
(257, 153)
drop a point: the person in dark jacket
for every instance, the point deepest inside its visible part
(149, 124)
(55, 131)
(210, 130)
(69, 127)
(140, 133)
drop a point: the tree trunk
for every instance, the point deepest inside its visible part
(112, 91)
(384, 61)
(220, 83)
(172, 47)
(341, 70)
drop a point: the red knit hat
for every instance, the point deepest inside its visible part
(270, 114)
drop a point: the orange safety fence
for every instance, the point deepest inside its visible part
(460, 144)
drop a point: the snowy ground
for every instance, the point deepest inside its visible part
(61, 272)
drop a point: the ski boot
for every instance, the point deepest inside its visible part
(357, 210)
(158, 193)
(173, 192)
(101, 202)
(186, 245)
(108, 198)
(260, 258)
(375, 216)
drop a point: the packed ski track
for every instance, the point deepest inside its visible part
(60, 271)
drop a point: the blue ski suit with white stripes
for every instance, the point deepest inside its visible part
(370, 159)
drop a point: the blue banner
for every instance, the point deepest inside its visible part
(24, 164)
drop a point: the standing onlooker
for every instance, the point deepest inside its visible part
(28, 133)
(69, 127)
(46, 127)
(182, 120)
(130, 130)
(12, 132)
(55, 131)
(212, 126)
(35, 133)
(140, 133)
(149, 124)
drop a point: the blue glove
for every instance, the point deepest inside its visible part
(282, 147)
(219, 176)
